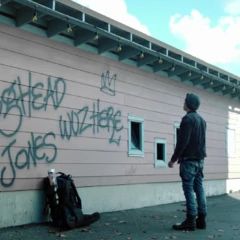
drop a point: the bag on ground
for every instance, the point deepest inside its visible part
(64, 203)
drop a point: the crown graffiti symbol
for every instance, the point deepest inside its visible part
(108, 83)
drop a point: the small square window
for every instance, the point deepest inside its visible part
(160, 152)
(135, 136)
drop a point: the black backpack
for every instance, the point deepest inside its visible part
(65, 204)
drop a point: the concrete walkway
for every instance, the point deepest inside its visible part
(150, 223)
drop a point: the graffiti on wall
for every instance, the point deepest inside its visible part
(95, 119)
(39, 148)
(108, 83)
(19, 101)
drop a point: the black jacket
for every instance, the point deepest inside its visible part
(191, 140)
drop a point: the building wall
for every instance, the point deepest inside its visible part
(59, 110)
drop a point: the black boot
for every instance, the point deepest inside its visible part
(187, 225)
(201, 221)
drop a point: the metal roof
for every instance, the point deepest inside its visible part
(87, 29)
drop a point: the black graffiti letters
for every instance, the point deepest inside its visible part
(24, 149)
(18, 100)
(108, 83)
(79, 121)
(55, 92)
(9, 106)
(39, 148)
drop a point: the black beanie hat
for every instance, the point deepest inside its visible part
(192, 101)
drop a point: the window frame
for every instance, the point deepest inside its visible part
(131, 151)
(160, 162)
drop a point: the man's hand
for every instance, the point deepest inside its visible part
(170, 164)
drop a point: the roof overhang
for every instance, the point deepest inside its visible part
(76, 25)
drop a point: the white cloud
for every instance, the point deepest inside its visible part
(232, 7)
(115, 9)
(219, 44)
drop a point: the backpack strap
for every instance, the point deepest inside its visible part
(79, 202)
(69, 177)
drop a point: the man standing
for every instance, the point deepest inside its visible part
(190, 152)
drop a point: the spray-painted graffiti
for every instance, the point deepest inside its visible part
(18, 101)
(96, 118)
(39, 148)
(108, 83)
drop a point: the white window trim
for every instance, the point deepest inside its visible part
(131, 152)
(163, 162)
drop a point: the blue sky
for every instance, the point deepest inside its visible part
(157, 14)
(207, 29)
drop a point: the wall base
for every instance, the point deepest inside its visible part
(24, 207)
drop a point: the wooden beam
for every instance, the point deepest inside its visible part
(25, 15)
(55, 27)
(82, 36)
(106, 45)
(200, 80)
(128, 53)
(161, 67)
(177, 72)
(147, 59)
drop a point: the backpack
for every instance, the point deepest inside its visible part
(65, 205)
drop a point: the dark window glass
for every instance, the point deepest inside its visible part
(135, 135)
(160, 151)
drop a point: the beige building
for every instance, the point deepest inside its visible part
(89, 96)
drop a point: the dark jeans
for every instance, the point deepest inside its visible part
(191, 173)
